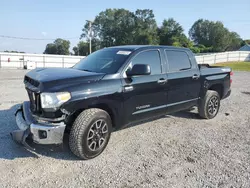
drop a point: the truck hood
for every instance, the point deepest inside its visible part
(54, 79)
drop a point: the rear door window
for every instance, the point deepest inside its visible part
(177, 60)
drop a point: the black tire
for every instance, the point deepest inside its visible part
(204, 107)
(82, 129)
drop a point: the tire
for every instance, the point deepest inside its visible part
(84, 134)
(207, 107)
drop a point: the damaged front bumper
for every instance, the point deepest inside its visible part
(39, 132)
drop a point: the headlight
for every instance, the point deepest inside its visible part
(54, 100)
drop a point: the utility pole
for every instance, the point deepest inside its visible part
(90, 35)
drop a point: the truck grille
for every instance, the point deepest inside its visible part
(31, 81)
(35, 105)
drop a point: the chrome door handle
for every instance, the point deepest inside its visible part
(128, 88)
(161, 81)
(195, 77)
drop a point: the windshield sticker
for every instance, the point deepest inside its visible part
(124, 52)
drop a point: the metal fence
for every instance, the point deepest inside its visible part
(19, 60)
(223, 57)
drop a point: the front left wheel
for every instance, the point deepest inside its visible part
(90, 133)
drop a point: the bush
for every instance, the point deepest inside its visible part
(195, 50)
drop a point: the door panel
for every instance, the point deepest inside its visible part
(183, 80)
(183, 90)
(144, 97)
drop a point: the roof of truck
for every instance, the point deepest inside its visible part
(136, 47)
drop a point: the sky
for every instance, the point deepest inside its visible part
(51, 19)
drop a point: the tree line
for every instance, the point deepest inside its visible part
(114, 27)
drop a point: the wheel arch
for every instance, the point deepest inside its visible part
(104, 106)
(107, 108)
(218, 88)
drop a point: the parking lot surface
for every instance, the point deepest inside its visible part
(178, 150)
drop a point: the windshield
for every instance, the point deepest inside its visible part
(104, 61)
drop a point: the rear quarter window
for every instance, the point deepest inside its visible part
(177, 60)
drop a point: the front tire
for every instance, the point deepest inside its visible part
(209, 106)
(90, 133)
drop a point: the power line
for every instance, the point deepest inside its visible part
(24, 38)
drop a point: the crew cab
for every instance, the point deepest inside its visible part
(113, 88)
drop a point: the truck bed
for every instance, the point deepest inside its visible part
(207, 70)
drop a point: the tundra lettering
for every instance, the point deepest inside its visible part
(142, 107)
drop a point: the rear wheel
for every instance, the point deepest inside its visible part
(209, 106)
(90, 133)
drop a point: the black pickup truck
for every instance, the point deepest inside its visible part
(112, 88)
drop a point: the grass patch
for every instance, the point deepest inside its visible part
(236, 66)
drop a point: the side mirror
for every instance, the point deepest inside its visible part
(139, 69)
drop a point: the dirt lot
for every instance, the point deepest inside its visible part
(179, 150)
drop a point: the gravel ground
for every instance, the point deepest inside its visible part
(179, 150)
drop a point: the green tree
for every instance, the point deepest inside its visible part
(236, 42)
(145, 31)
(60, 47)
(75, 50)
(81, 49)
(121, 27)
(204, 49)
(246, 42)
(111, 27)
(172, 33)
(95, 43)
(195, 49)
(220, 37)
(50, 49)
(213, 35)
(200, 32)
(169, 29)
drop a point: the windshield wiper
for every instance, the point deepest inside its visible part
(86, 70)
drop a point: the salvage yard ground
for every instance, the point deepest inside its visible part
(179, 150)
